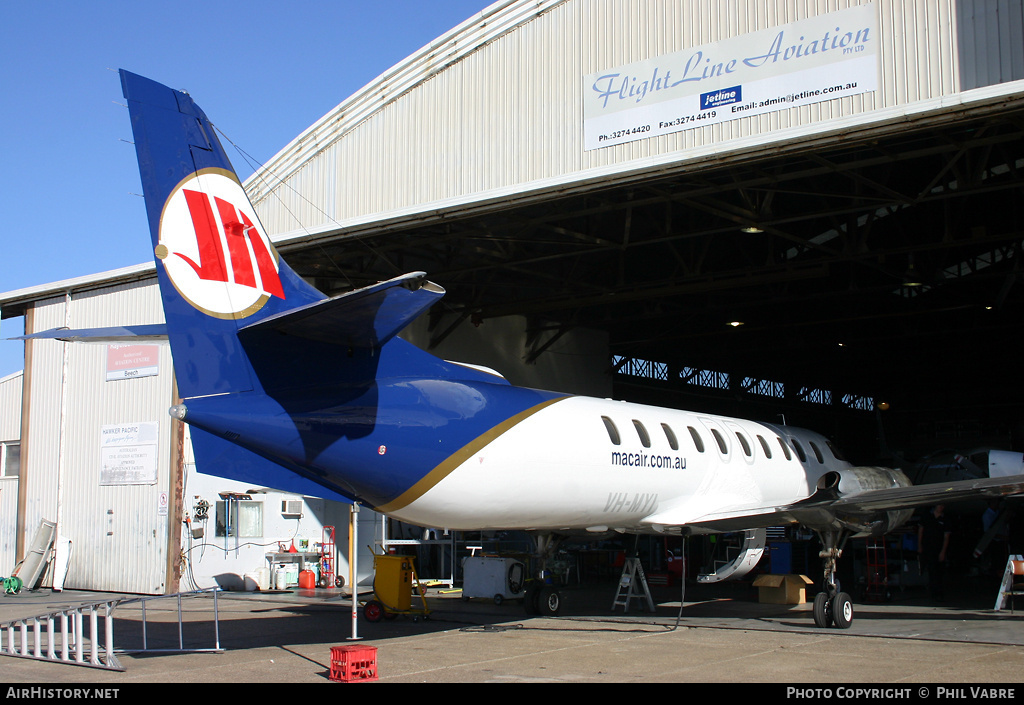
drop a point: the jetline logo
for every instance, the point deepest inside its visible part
(214, 249)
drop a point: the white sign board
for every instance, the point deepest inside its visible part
(809, 61)
(129, 453)
(131, 361)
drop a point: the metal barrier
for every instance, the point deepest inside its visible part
(181, 643)
(67, 640)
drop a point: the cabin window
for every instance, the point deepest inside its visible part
(836, 453)
(721, 441)
(743, 442)
(698, 442)
(613, 432)
(785, 449)
(817, 452)
(800, 451)
(671, 436)
(765, 447)
(642, 432)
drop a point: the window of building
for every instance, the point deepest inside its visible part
(242, 518)
(10, 459)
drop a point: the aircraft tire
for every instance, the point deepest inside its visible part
(842, 610)
(550, 602)
(822, 610)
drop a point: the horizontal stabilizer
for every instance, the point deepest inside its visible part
(366, 317)
(222, 458)
(155, 332)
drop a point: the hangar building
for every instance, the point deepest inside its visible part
(762, 208)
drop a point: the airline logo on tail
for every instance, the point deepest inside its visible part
(214, 249)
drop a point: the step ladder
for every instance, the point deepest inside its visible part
(1010, 587)
(632, 584)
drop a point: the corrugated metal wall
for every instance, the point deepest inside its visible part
(10, 430)
(508, 111)
(991, 41)
(123, 524)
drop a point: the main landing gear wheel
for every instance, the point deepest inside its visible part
(832, 606)
(822, 610)
(549, 601)
(842, 610)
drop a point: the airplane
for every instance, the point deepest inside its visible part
(291, 389)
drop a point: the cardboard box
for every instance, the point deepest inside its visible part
(782, 589)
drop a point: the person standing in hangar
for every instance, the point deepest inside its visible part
(933, 545)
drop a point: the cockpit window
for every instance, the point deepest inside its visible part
(765, 447)
(613, 432)
(671, 436)
(698, 442)
(645, 439)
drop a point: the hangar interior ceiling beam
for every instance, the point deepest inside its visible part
(884, 266)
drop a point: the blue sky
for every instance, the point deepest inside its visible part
(262, 71)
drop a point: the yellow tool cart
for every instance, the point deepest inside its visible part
(394, 580)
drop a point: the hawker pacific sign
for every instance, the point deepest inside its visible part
(809, 61)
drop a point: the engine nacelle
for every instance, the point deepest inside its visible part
(851, 482)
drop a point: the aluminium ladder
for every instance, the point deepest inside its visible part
(631, 582)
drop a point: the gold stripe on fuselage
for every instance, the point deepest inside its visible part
(432, 478)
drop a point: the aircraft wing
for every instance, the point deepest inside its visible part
(935, 493)
(824, 505)
(155, 332)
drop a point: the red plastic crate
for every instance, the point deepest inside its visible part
(353, 664)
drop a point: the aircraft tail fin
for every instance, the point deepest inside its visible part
(238, 318)
(218, 270)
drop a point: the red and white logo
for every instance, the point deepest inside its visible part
(214, 249)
